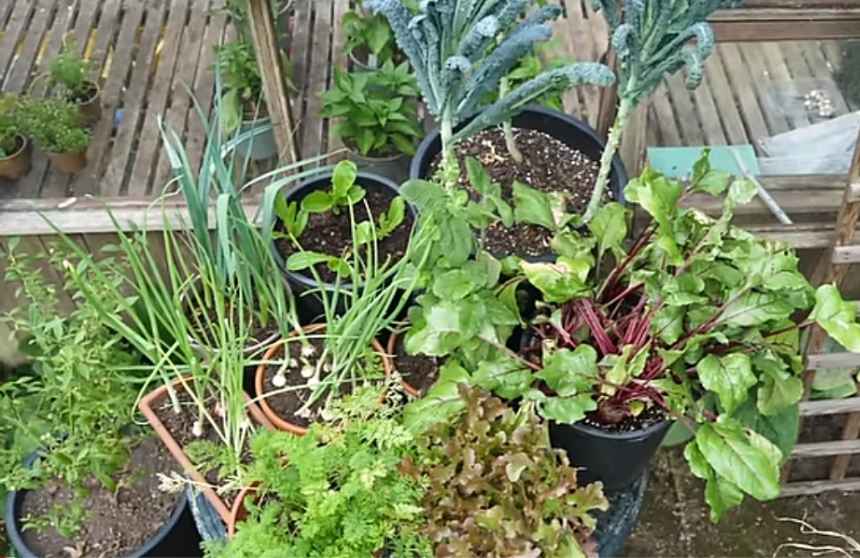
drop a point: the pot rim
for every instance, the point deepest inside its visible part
(305, 280)
(94, 97)
(68, 153)
(17, 539)
(391, 347)
(146, 407)
(627, 435)
(237, 508)
(275, 419)
(584, 127)
(372, 159)
(25, 141)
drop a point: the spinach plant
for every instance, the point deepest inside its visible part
(497, 488)
(377, 120)
(652, 39)
(337, 491)
(698, 319)
(461, 50)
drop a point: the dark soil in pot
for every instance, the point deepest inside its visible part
(331, 233)
(418, 371)
(116, 524)
(548, 165)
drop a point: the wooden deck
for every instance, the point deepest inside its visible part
(152, 53)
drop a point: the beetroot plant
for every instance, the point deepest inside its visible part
(698, 321)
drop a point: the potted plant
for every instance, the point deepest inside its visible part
(337, 491)
(92, 481)
(314, 365)
(315, 230)
(243, 108)
(54, 126)
(482, 46)
(697, 322)
(69, 71)
(369, 40)
(495, 487)
(377, 118)
(15, 148)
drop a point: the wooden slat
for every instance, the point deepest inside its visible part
(846, 254)
(15, 30)
(150, 136)
(811, 488)
(665, 117)
(685, 112)
(317, 80)
(740, 79)
(112, 91)
(21, 70)
(339, 60)
(826, 449)
(829, 407)
(838, 25)
(300, 57)
(708, 116)
(833, 360)
(820, 69)
(774, 56)
(176, 115)
(718, 83)
(762, 84)
(813, 235)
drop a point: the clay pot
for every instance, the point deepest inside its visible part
(392, 350)
(69, 163)
(238, 511)
(147, 406)
(279, 422)
(91, 109)
(17, 165)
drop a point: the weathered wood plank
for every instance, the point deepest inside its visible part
(850, 432)
(776, 64)
(25, 60)
(740, 79)
(761, 83)
(826, 449)
(685, 112)
(717, 82)
(709, 117)
(829, 407)
(15, 30)
(833, 360)
(149, 143)
(300, 58)
(665, 117)
(811, 488)
(316, 81)
(179, 99)
(130, 57)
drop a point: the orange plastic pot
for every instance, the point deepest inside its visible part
(392, 350)
(279, 422)
(147, 406)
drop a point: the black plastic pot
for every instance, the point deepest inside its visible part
(615, 458)
(305, 287)
(177, 537)
(569, 130)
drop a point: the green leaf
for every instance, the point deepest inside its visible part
(423, 194)
(454, 285)
(505, 376)
(742, 191)
(837, 317)
(568, 410)
(714, 182)
(569, 372)
(317, 201)
(775, 395)
(781, 429)
(532, 206)
(609, 226)
(659, 197)
(561, 281)
(343, 178)
(391, 219)
(305, 260)
(742, 457)
(231, 112)
(478, 177)
(720, 494)
(456, 239)
(730, 377)
(754, 309)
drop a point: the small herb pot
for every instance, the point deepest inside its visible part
(260, 146)
(303, 285)
(177, 537)
(91, 107)
(614, 458)
(17, 165)
(239, 511)
(274, 350)
(395, 167)
(148, 405)
(69, 163)
(569, 130)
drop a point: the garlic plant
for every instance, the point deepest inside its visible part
(461, 50)
(653, 39)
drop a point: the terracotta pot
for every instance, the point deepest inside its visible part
(392, 350)
(69, 163)
(91, 109)
(238, 512)
(147, 407)
(279, 422)
(17, 165)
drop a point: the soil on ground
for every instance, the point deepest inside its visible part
(331, 233)
(647, 418)
(116, 523)
(418, 371)
(548, 165)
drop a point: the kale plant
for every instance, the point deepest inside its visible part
(461, 50)
(652, 38)
(497, 488)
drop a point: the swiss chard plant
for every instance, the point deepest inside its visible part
(461, 50)
(373, 118)
(697, 320)
(497, 488)
(652, 39)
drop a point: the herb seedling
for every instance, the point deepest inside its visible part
(54, 125)
(69, 71)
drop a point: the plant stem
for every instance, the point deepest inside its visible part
(508, 127)
(625, 109)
